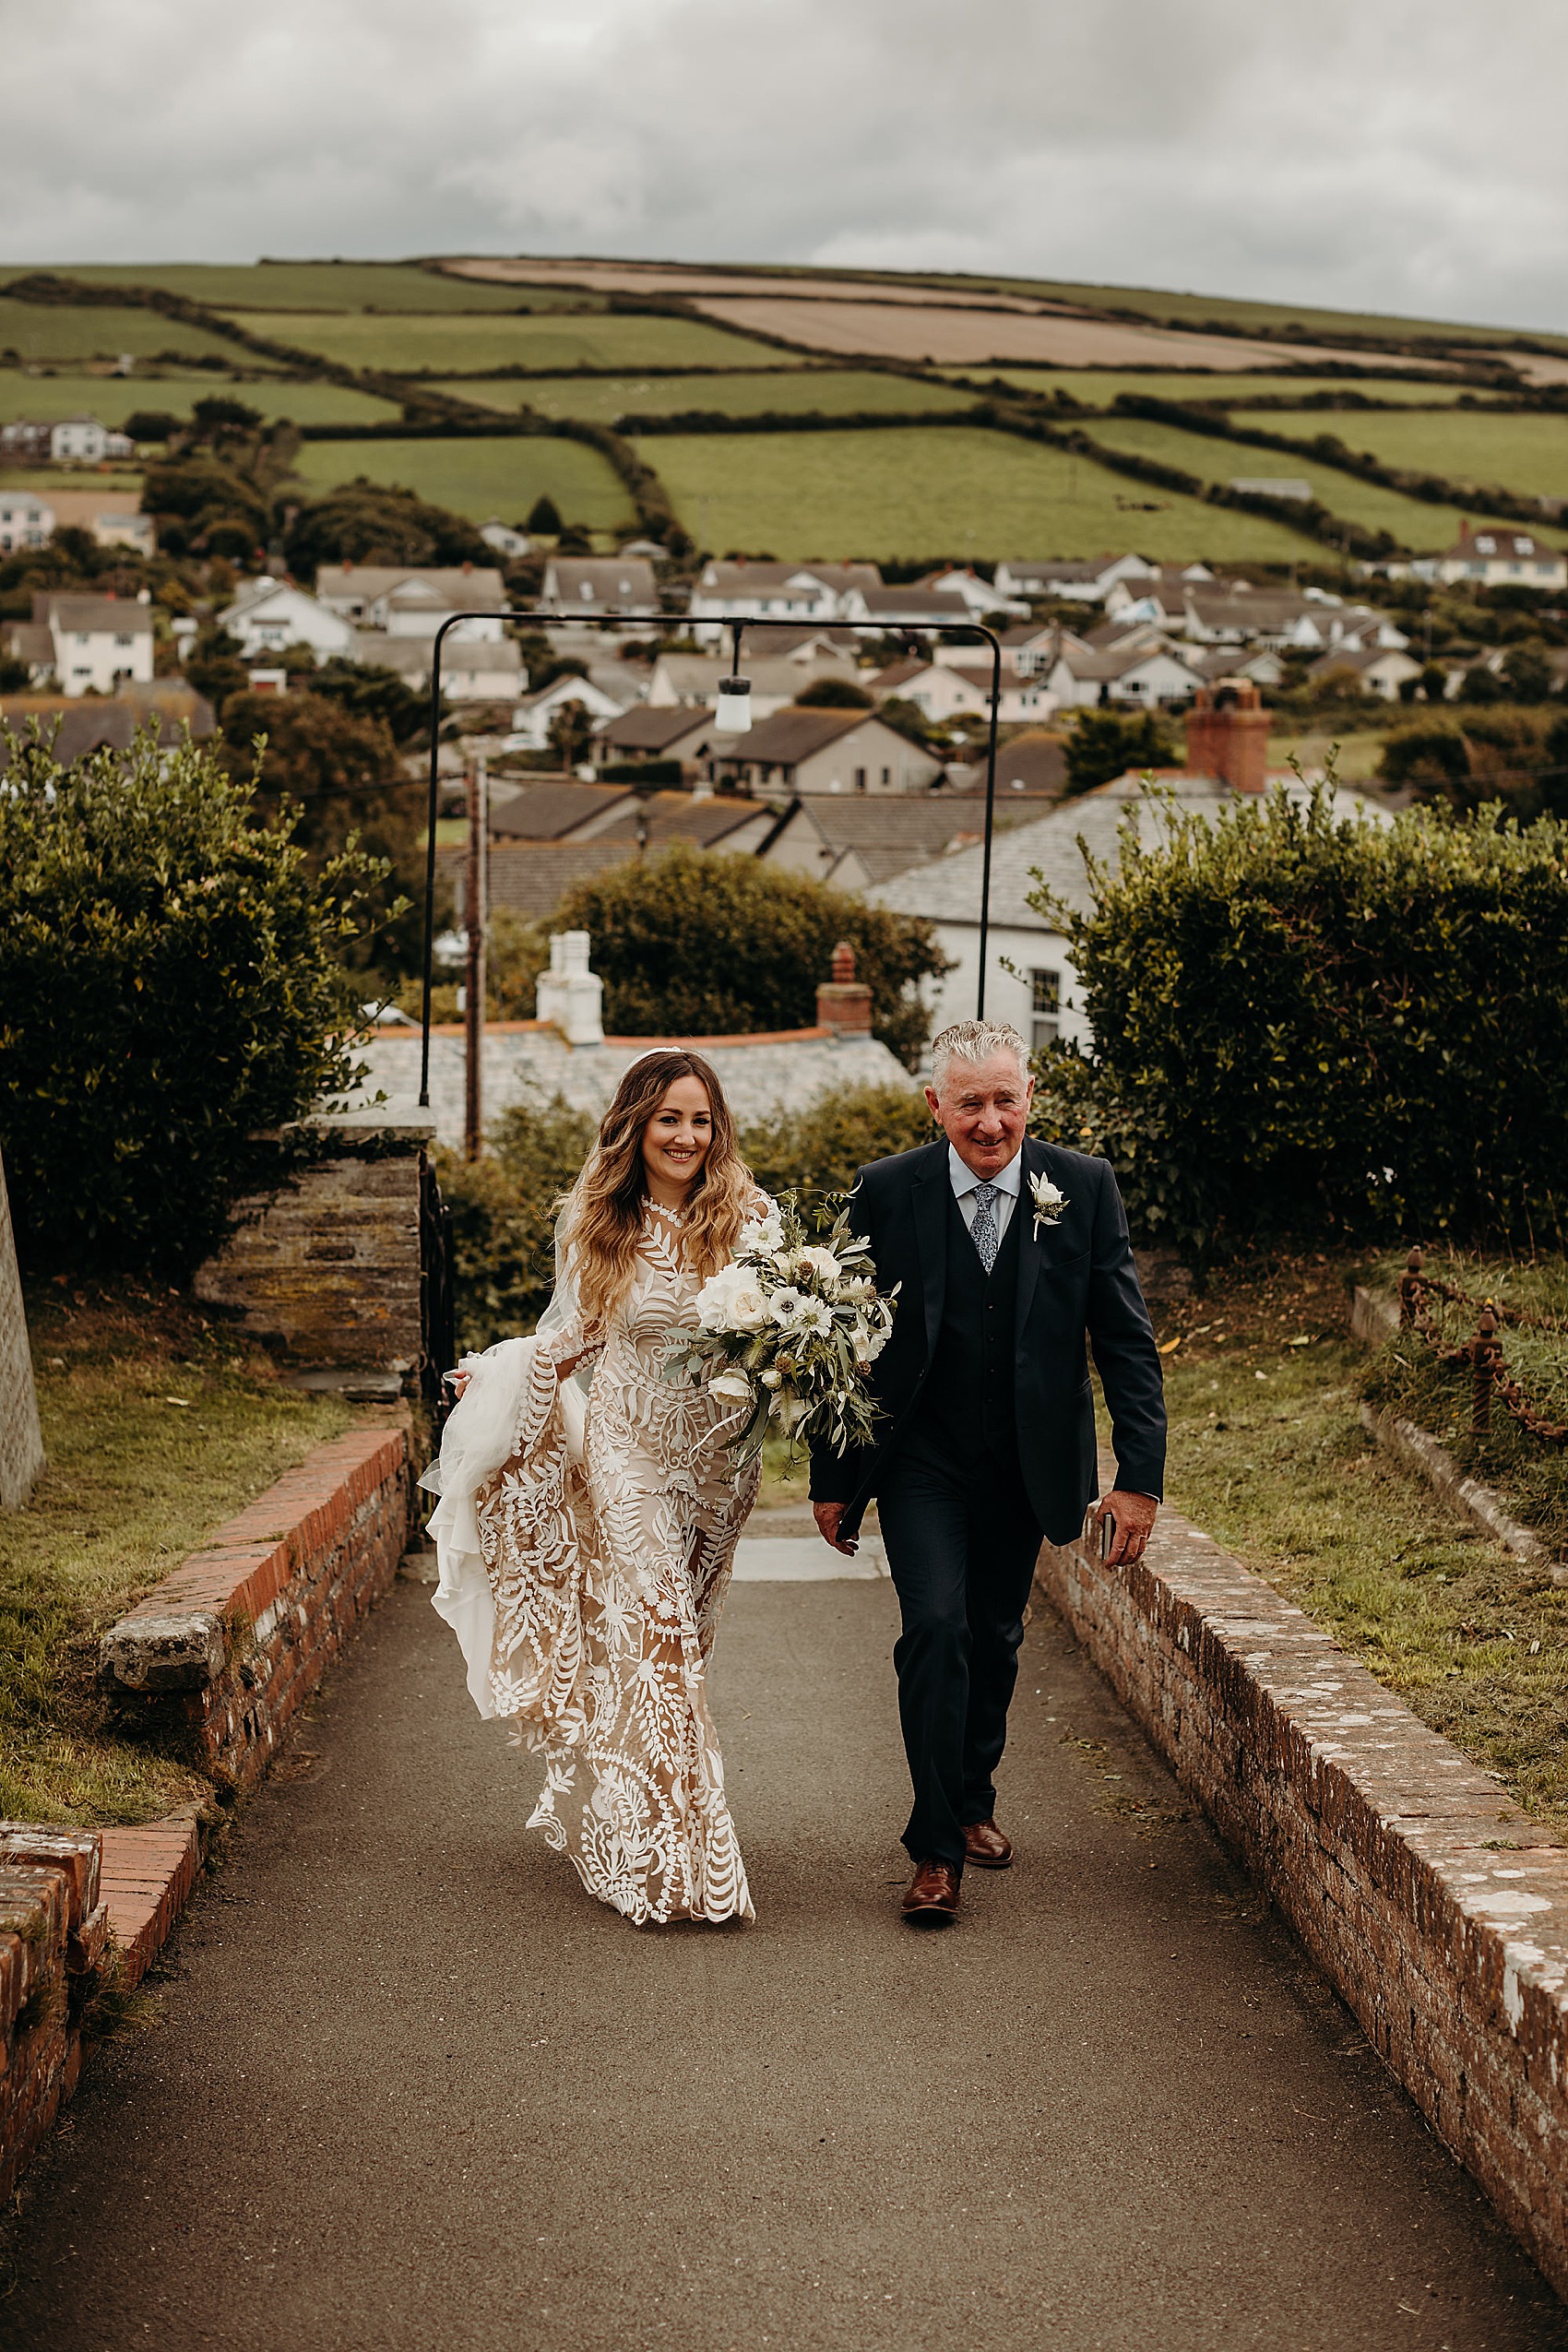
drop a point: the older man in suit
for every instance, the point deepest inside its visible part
(1010, 1253)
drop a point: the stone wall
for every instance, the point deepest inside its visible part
(1418, 1887)
(22, 1443)
(220, 1656)
(326, 1270)
(54, 1936)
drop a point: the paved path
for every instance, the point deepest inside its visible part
(407, 2087)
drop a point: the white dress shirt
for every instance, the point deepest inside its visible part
(964, 1180)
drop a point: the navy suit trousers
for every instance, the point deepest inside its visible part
(962, 1540)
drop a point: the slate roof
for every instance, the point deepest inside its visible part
(553, 808)
(84, 723)
(96, 615)
(533, 877)
(465, 589)
(792, 735)
(656, 732)
(948, 889)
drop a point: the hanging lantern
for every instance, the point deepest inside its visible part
(734, 706)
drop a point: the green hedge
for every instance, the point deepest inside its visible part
(1309, 1028)
(170, 982)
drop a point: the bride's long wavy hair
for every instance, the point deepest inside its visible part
(603, 1213)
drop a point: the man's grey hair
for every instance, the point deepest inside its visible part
(974, 1042)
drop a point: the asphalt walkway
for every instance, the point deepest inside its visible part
(405, 2086)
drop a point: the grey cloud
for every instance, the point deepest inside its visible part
(1398, 157)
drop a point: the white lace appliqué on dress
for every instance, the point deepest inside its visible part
(606, 1562)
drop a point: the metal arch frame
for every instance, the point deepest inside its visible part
(737, 624)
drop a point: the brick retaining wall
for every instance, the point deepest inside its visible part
(1413, 1880)
(224, 1651)
(53, 1935)
(220, 1654)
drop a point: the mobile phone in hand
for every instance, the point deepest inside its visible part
(1107, 1535)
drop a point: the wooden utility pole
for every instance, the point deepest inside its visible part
(475, 913)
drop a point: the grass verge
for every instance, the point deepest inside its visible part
(1264, 1383)
(158, 1427)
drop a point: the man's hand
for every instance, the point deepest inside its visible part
(1134, 1517)
(827, 1515)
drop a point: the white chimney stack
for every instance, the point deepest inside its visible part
(568, 994)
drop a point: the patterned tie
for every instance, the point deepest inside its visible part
(986, 1239)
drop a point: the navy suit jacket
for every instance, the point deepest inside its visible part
(1076, 1280)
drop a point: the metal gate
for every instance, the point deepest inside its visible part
(438, 1337)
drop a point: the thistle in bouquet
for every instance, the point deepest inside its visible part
(788, 1330)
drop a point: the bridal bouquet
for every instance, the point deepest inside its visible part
(796, 1325)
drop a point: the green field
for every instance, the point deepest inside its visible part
(1527, 453)
(358, 339)
(60, 331)
(794, 391)
(913, 493)
(480, 478)
(113, 397)
(325, 285)
(1099, 386)
(1412, 521)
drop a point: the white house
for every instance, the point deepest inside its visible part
(1139, 675)
(1375, 670)
(26, 519)
(1029, 979)
(473, 669)
(797, 592)
(533, 712)
(412, 601)
(823, 751)
(696, 678)
(1080, 582)
(84, 441)
(591, 584)
(268, 614)
(504, 539)
(979, 595)
(1500, 555)
(97, 641)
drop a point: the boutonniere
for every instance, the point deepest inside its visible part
(1049, 1203)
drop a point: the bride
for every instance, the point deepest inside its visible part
(589, 1510)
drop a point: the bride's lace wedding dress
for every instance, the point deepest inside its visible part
(584, 1544)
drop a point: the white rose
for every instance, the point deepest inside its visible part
(772, 1379)
(748, 1308)
(731, 1383)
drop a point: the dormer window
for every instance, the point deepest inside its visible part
(1487, 546)
(585, 589)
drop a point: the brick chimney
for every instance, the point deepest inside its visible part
(1228, 734)
(843, 1003)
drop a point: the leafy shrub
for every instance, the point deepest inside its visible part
(331, 779)
(1308, 1027)
(1104, 744)
(1502, 755)
(818, 1150)
(365, 522)
(695, 944)
(170, 982)
(834, 694)
(504, 1218)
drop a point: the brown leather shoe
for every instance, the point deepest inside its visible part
(985, 1845)
(931, 1899)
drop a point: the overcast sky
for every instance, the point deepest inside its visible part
(1397, 155)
